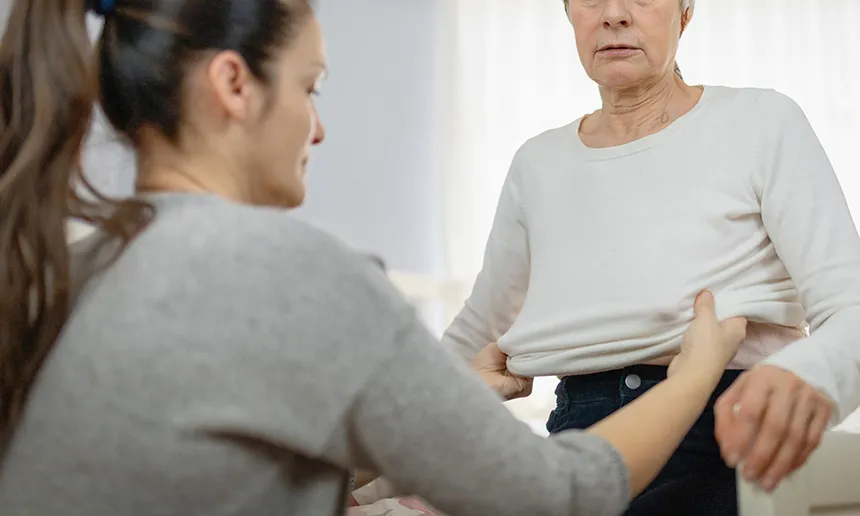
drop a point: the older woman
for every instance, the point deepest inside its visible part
(667, 189)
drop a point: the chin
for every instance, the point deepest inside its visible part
(620, 76)
(293, 191)
(294, 199)
(284, 197)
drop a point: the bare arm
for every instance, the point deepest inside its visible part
(647, 432)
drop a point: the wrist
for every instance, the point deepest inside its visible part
(701, 379)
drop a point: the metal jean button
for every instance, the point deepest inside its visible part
(633, 381)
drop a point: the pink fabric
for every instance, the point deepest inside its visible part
(394, 507)
(762, 341)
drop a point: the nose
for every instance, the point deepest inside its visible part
(318, 134)
(616, 14)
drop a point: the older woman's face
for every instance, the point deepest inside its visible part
(624, 43)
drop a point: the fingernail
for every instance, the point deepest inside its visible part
(704, 295)
(768, 484)
(750, 474)
(732, 461)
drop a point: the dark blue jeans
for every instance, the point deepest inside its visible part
(695, 481)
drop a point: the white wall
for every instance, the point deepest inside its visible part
(373, 181)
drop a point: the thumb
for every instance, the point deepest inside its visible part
(736, 327)
(704, 306)
(490, 357)
(497, 354)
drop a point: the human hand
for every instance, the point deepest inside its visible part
(770, 420)
(491, 364)
(709, 345)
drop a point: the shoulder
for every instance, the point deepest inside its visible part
(763, 103)
(546, 149)
(776, 110)
(251, 233)
(258, 247)
(547, 143)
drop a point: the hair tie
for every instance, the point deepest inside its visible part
(103, 7)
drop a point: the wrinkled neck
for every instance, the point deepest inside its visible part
(632, 113)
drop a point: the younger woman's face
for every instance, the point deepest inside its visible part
(290, 124)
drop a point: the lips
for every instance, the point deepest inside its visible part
(617, 47)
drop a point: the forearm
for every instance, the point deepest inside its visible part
(648, 431)
(808, 220)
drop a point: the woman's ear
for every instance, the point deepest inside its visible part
(232, 82)
(685, 19)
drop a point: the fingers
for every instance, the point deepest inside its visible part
(491, 364)
(777, 442)
(523, 388)
(491, 358)
(492, 347)
(794, 443)
(705, 311)
(726, 419)
(814, 432)
(738, 436)
(511, 387)
(704, 306)
(495, 353)
(779, 422)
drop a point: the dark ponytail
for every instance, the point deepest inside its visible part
(46, 102)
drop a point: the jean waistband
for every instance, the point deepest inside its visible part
(627, 382)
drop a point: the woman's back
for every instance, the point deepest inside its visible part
(192, 365)
(236, 361)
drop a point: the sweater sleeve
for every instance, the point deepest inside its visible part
(806, 216)
(432, 428)
(500, 288)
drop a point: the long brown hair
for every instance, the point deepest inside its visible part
(49, 82)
